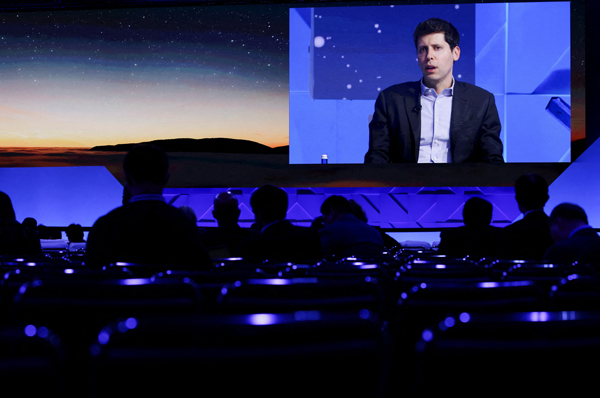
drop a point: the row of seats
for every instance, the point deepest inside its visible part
(372, 328)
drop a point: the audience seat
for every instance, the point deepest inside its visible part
(514, 354)
(296, 294)
(575, 292)
(297, 354)
(32, 361)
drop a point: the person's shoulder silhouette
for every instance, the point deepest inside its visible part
(146, 229)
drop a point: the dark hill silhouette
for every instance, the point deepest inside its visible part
(214, 145)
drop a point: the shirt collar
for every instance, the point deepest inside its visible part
(531, 211)
(147, 196)
(269, 224)
(448, 91)
(579, 229)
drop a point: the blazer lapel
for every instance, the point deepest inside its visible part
(412, 103)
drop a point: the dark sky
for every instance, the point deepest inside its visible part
(89, 77)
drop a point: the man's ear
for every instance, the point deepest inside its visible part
(456, 53)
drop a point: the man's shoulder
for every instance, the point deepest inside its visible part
(470, 89)
(142, 213)
(407, 88)
(534, 219)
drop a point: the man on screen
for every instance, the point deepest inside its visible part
(436, 119)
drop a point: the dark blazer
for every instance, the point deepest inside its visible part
(349, 236)
(283, 241)
(583, 246)
(479, 242)
(395, 131)
(14, 240)
(527, 239)
(148, 232)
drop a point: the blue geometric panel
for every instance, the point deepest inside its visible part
(533, 134)
(490, 45)
(397, 207)
(538, 38)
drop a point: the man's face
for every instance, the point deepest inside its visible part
(436, 60)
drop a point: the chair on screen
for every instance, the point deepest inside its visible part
(77, 246)
(54, 244)
(519, 354)
(415, 245)
(297, 354)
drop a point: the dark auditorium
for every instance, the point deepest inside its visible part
(373, 199)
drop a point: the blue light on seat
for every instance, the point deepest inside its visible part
(131, 323)
(307, 315)
(30, 330)
(262, 319)
(135, 281)
(427, 335)
(103, 337)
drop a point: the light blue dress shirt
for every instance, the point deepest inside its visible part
(436, 111)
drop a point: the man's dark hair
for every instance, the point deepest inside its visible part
(226, 207)
(436, 25)
(568, 211)
(531, 191)
(75, 233)
(29, 222)
(477, 212)
(271, 201)
(146, 163)
(358, 211)
(7, 212)
(337, 203)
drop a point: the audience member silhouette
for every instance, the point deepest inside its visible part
(574, 239)
(146, 230)
(48, 233)
(359, 212)
(224, 241)
(190, 213)
(344, 234)
(279, 239)
(529, 238)
(476, 238)
(30, 225)
(13, 238)
(75, 233)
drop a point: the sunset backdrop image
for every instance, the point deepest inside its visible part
(73, 81)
